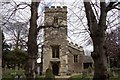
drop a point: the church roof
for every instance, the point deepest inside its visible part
(87, 59)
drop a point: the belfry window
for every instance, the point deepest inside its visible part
(55, 51)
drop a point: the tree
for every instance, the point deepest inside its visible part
(13, 57)
(17, 57)
(112, 44)
(18, 32)
(5, 50)
(31, 64)
(30, 68)
(97, 33)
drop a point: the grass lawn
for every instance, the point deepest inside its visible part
(80, 77)
(9, 74)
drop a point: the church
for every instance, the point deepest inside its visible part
(62, 57)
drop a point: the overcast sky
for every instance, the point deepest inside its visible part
(77, 24)
(77, 28)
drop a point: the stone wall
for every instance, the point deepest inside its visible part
(75, 67)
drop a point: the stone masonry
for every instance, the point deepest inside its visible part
(58, 53)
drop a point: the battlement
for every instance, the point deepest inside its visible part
(75, 46)
(56, 9)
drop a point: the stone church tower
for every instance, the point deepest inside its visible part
(62, 57)
(55, 36)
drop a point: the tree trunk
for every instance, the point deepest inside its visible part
(31, 64)
(100, 59)
(97, 30)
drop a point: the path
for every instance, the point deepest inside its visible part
(62, 77)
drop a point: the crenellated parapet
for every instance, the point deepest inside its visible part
(75, 46)
(56, 16)
(56, 9)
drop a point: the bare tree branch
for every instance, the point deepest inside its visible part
(112, 5)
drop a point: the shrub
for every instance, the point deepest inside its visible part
(41, 78)
(49, 75)
(9, 74)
